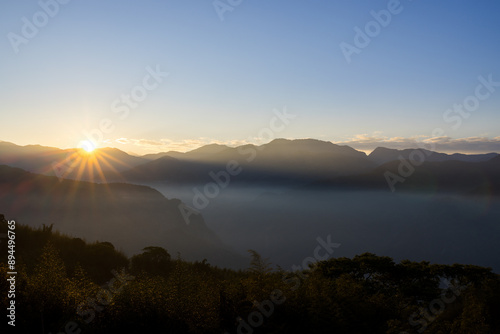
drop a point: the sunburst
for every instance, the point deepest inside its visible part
(88, 146)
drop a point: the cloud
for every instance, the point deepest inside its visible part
(470, 145)
(122, 140)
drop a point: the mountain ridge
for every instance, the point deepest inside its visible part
(280, 160)
(382, 155)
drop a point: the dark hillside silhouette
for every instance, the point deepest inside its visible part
(130, 216)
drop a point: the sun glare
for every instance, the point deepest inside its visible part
(87, 145)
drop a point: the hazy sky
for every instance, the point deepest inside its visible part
(232, 68)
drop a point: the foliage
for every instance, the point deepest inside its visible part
(63, 279)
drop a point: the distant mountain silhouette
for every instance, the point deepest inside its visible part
(129, 216)
(382, 155)
(303, 160)
(69, 163)
(479, 178)
(205, 152)
(282, 161)
(278, 161)
(34, 158)
(170, 169)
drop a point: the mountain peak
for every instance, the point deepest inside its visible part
(381, 149)
(312, 145)
(210, 148)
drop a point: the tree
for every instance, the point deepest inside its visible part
(48, 288)
(153, 260)
(258, 264)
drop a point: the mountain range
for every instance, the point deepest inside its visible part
(46, 185)
(288, 162)
(382, 155)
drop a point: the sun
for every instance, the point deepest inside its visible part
(87, 145)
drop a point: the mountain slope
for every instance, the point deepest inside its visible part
(481, 178)
(67, 163)
(170, 169)
(382, 155)
(130, 216)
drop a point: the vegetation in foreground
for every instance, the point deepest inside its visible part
(66, 285)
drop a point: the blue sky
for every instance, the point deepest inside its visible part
(225, 77)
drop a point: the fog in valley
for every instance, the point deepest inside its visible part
(283, 224)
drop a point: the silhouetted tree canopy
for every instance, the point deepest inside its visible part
(65, 280)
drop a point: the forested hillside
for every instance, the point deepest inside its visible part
(65, 284)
